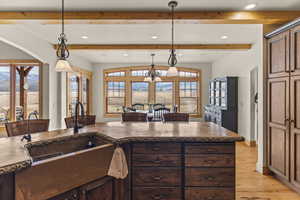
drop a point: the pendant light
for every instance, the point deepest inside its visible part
(152, 75)
(172, 71)
(62, 51)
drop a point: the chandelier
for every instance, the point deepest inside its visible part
(152, 75)
(62, 51)
(172, 71)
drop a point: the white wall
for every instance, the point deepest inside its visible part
(98, 90)
(54, 83)
(240, 65)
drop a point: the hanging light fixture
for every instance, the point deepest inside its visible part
(172, 71)
(62, 51)
(152, 75)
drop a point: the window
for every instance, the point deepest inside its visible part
(78, 88)
(188, 97)
(20, 91)
(130, 89)
(115, 97)
(4, 93)
(116, 74)
(139, 72)
(164, 94)
(140, 93)
(73, 92)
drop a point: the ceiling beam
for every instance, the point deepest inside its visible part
(157, 46)
(212, 17)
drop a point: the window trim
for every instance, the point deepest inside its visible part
(79, 73)
(128, 79)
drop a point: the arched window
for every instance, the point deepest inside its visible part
(125, 87)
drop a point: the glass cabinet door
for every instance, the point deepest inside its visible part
(217, 93)
(223, 93)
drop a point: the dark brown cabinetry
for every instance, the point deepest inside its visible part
(7, 187)
(279, 55)
(283, 105)
(223, 103)
(101, 189)
(183, 171)
(295, 49)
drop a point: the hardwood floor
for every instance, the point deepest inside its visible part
(251, 185)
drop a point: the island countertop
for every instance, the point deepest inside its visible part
(14, 156)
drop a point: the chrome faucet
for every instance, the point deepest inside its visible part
(77, 126)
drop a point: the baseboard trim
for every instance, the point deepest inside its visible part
(250, 143)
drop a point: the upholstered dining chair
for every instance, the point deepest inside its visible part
(26, 126)
(173, 117)
(138, 106)
(83, 120)
(134, 117)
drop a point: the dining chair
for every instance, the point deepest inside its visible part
(26, 126)
(134, 117)
(82, 120)
(173, 117)
(138, 106)
(157, 106)
(128, 109)
(158, 113)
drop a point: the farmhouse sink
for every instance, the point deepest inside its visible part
(63, 146)
(62, 164)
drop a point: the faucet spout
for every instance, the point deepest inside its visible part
(76, 120)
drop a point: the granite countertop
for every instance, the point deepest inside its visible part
(14, 156)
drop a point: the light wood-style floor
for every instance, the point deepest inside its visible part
(252, 185)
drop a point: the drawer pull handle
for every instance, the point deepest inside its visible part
(210, 161)
(210, 178)
(157, 161)
(155, 149)
(157, 197)
(212, 150)
(157, 178)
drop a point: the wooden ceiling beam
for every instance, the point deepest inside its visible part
(157, 46)
(226, 17)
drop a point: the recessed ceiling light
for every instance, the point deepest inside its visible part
(154, 37)
(250, 6)
(125, 54)
(224, 37)
(84, 37)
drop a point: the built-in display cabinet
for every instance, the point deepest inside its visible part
(283, 101)
(223, 99)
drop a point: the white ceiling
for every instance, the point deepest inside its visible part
(142, 34)
(147, 4)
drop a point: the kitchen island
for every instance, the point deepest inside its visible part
(166, 161)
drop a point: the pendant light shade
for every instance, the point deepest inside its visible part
(152, 75)
(62, 51)
(63, 66)
(172, 71)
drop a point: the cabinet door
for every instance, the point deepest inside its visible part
(295, 130)
(71, 195)
(295, 51)
(98, 190)
(278, 126)
(279, 55)
(7, 188)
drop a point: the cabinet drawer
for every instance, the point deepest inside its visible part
(219, 177)
(209, 194)
(141, 193)
(162, 160)
(210, 160)
(156, 176)
(206, 148)
(152, 148)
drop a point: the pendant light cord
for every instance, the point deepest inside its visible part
(63, 17)
(172, 28)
